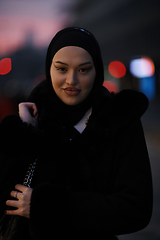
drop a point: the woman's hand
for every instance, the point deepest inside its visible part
(23, 204)
(28, 112)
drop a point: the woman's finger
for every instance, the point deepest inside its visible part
(28, 113)
(31, 106)
(12, 212)
(35, 110)
(12, 203)
(20, 187)
(14, 194)
(22, 203)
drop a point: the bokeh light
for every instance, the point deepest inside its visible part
(5, 66)
(7, 107)
(147, 85)
(117, 69)
(142, 67)
(111, 86)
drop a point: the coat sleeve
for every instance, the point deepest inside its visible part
(18, 138)
(132, 199)
(16, 147)
(127, 208)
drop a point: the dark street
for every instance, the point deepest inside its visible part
(128, 36)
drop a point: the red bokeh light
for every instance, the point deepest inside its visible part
(111, 86)
(117, 69)
(5, 66)
(7, 107)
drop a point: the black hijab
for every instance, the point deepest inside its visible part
(53, 108)
(79, 37)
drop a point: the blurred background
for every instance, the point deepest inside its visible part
(128, 32)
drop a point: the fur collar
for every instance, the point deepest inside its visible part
(110, 117)
(123, 106)
(117, 111)
(113, 111)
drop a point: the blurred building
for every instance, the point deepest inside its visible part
(125, 29)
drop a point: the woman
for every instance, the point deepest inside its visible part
(93, 178)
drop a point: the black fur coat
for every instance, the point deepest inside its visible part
(93, 185)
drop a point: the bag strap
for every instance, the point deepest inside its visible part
(29, 174)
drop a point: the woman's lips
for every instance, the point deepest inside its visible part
(72, 91)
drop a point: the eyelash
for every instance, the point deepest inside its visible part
(61, 69)
(82, 70)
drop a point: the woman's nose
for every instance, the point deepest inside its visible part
(71, 78)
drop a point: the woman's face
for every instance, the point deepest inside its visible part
(73, 74)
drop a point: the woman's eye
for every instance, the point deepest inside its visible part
(62, 69)
(83, 70)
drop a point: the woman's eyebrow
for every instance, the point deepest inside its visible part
(61, 63)
(79, 64)
(85, 63)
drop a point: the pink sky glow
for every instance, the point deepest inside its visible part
(39, 19)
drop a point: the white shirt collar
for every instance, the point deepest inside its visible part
(81, 125)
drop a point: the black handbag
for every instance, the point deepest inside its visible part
(14, 227)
